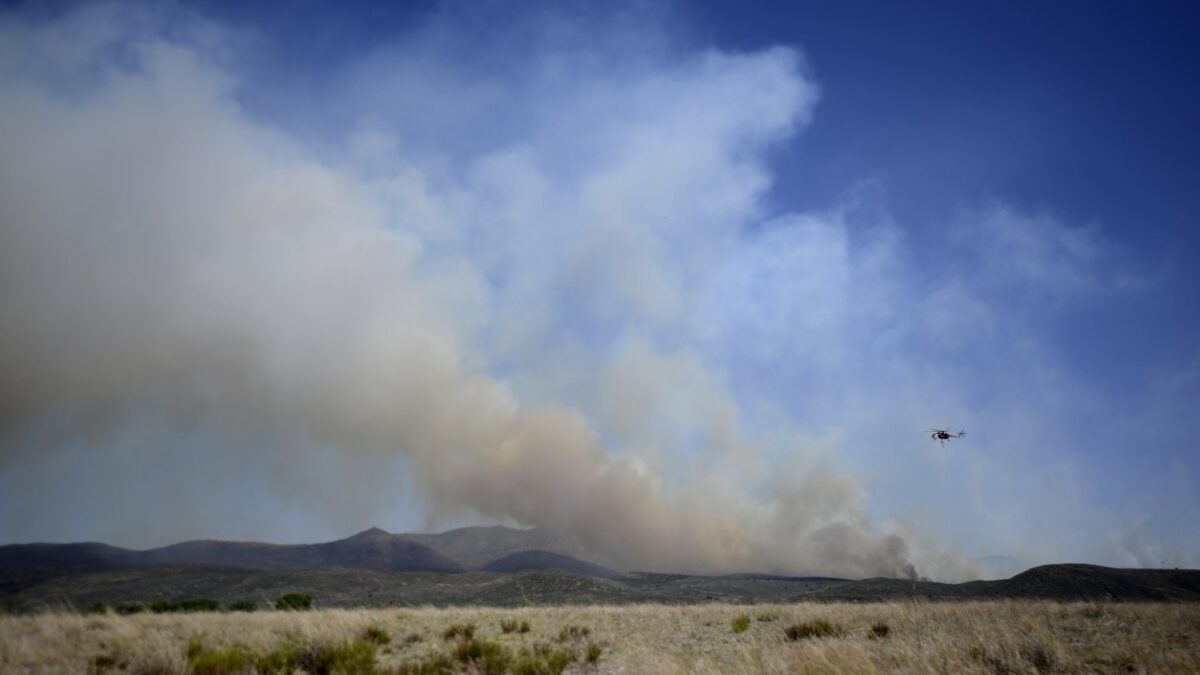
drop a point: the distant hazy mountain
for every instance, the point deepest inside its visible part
(524, 561)
(369, 549)
(24, 561)
(474, 547)
(372, 549)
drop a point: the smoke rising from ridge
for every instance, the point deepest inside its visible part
(504, 286)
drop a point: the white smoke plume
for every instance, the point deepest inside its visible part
(505, 286)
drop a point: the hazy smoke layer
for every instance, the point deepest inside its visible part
(499, 287)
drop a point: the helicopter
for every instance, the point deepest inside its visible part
(943, 435)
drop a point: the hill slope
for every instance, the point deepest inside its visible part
(371, 549)
(474, 547)
(523, 561)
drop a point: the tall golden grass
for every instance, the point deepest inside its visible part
(968, 637)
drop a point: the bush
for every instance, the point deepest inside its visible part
(465, 631)
(817, 628)
(482, 656)
(878, 629)
(225, 661)
(570, 633)
(186, 605)
(376, 636)
(542, 659)
(593, 653)
(96, 608)
(197, 605)
(230, 660)
(294, 602)
(511, 626)
(283, 660)
(740, 623)
(243, 606)
(162, 606)
(345, 657)
(130, 608)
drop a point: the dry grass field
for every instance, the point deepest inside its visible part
(965, 637)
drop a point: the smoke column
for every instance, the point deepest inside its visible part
(510, 315)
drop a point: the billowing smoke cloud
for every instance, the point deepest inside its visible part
(514, 289)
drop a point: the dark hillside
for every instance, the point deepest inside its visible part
(1093, 582)
(523, 561)
(474, 547)
(372, 549)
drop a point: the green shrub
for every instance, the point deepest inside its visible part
(465, 631)
(194, 648)
(294, 602)
(197, 605)
(243, 606)
(96, 608)
(482, 656)
(817, 628)
(345, 657)
(512, 626)
(185, 605)
(282, 660)
(227, 661)
(162, 606)
(376, 636)
(740, 623)
(542, 659)
(570, 633)
(130, 608)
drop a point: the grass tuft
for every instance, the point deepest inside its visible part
(376, 636)
(879, 629)
(227, 661)
(465, 631)
(816, 628)
(740, 623)
(542, 659)
(342, 657)
(483, 656)
(572, 633)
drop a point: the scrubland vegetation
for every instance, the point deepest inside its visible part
(969, 637)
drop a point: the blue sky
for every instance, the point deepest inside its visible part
(678, 277)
